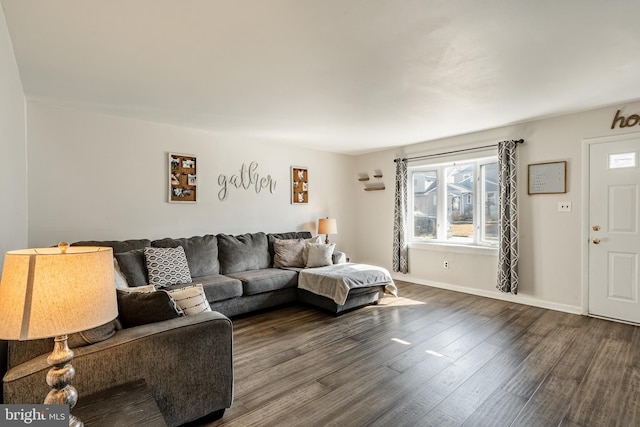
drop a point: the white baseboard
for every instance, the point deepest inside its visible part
(518, 299)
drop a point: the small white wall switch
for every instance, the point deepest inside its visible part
(564, 206)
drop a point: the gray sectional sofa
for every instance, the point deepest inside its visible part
(187, 362)
(236, 272)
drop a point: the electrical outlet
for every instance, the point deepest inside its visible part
(446, 264)
(564, 206)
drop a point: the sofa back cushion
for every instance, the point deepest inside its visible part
(243, 253)
(201, 251)
(118, 246)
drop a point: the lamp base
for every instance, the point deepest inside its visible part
(326, 239)
(59, 378)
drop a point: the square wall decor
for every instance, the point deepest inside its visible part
(547, 178)
(183, 179)
(299, 185)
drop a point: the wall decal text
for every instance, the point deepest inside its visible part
(625, 122)
(246, 178)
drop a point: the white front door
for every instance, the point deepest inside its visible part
(614, 228)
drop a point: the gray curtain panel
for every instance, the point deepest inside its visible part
(508, 187)
(400, 248)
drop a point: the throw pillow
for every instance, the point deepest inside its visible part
(305, 252)
(141, 308)
(92, 336)
(120, 279)
(145, 288)
(191, 299)
(288, 253)
(133, 266)
(167, 266)
(320, 254)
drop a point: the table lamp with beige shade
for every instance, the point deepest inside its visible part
(327, 226)
(53, 292)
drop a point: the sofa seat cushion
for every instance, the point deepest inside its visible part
(266, 280)
(201, 252)
(242, 253)
(216, 287)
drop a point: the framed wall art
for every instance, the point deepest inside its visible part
(299, 185)
(548, 178)
(183, 178)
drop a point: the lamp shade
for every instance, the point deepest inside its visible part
(327, 226)
(48, 292)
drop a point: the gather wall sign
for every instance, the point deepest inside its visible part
(246, 178)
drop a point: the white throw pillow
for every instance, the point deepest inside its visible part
(320, 254)
(145, 288)
(191, 299)
(121, 281)
(167, 266)
(307, 242)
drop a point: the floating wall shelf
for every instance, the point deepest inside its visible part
(372, 186)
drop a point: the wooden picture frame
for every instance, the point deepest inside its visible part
(299, 185)
(183, 178)
(547, 178)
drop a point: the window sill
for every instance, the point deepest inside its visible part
(452, 247)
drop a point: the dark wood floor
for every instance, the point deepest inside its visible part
(434, 358)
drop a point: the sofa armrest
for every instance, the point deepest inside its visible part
(339, 257)
(188, 356)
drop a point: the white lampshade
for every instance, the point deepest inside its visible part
(46, 292)
(327, 226)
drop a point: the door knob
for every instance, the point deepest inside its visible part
(596, 227)
(596, 241)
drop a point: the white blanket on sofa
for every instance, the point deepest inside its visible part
(335, 281)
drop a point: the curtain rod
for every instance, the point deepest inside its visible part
(519, 141)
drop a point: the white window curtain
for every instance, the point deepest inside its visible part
(400, 246)
(508, 244)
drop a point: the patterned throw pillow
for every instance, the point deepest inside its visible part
(191, 299)
(167, 266)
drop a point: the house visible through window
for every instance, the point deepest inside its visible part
(443, 205)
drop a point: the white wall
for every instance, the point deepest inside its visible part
(550, 242)
(94, 176)
(13, 208)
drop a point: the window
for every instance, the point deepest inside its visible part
(444, 207)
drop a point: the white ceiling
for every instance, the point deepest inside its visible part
(340, 75)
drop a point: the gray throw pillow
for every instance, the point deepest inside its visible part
(288, 253)
(141, 308)
(133, 266)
